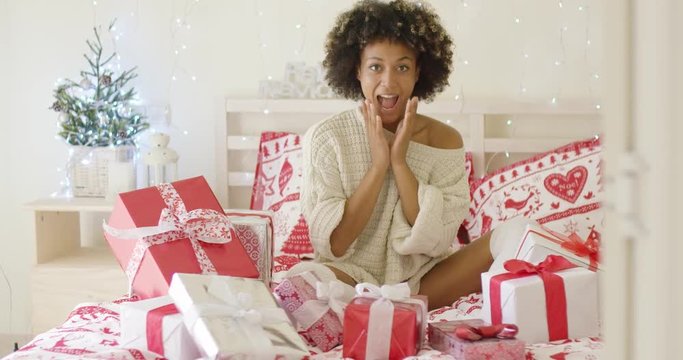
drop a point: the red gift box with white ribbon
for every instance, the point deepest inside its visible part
(177, 227)
(384, 323)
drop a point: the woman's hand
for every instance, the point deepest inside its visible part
(399, 147)
(379, 147)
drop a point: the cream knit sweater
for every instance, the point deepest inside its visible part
(388, 250)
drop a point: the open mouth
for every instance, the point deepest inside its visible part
(387, 102)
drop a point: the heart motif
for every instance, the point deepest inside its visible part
(567, 187)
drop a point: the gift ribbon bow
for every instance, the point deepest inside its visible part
(472, 333)
(330, 295)
(237, 309)
(589, 249)
(553, 284)
(176, 223)
(381, 316)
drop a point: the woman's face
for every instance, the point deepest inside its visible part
(387, 74)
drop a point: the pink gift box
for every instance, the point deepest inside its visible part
(172, 251)
(442, 337)
(293, 293)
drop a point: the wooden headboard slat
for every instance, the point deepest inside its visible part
(235, 137)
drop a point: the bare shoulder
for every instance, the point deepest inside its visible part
(442, 136)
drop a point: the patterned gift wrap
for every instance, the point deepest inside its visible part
(293, 295)
(442, 337)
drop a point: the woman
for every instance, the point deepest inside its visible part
(385, 188)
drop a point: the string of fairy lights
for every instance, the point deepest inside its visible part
(125, 23)
(180, 27)
(521, 88)
(300, 24)
(263, 47)
(593, 75)
(559, 60)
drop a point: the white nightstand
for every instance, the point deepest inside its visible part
(65, 273)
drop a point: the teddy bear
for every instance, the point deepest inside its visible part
(160, 160)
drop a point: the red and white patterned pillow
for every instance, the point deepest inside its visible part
(469, 169)
(463, 237)
(277, 188)
(561, 189)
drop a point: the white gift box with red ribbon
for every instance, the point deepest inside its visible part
(546, 301)
(156, 325)
(538, 242)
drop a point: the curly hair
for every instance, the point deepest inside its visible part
(411, 23)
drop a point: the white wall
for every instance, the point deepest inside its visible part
(5, 212)
(47, 40)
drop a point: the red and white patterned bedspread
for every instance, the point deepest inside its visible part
(92, 331)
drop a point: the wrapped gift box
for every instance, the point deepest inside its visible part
(442, 337)
(179, 227)
(538, 242)
(564, 306)
(156, 325)
(393, 334)
(255, 231)
(307, 301)
(235, 317)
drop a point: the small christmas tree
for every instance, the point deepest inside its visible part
(298, 242)
(97, 110)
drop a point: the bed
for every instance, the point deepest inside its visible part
(501, 138)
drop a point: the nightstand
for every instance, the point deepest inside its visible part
(65, 273)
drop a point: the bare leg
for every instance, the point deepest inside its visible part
(457, 275)
(342, 276)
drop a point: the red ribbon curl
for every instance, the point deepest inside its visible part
(472, 333)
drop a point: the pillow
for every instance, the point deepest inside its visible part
(561, 189)
(463, 237)
(277, 187)
(469, 170)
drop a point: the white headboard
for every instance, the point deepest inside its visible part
(484, 125)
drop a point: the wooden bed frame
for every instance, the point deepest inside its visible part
(238, 135)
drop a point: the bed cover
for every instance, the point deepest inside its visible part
(92, 331)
